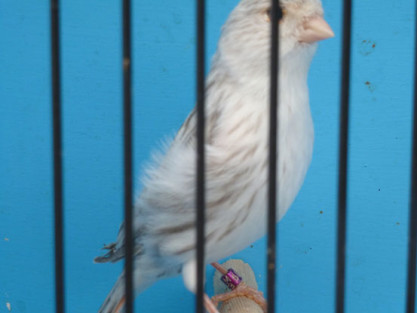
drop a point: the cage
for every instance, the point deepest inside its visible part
(163, 84)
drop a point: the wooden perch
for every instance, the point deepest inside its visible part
(238, 304)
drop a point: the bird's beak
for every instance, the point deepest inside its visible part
(315, 29)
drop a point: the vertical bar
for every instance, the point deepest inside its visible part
(57, 157)
(343, 157)
(412, 239)
(200, 196)
(128, 147)
(273, 156)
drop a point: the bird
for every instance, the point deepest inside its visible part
(236, 145)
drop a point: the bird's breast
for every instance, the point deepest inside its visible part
(238, 171)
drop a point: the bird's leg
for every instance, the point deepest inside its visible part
(239, 289)
(189, 271)
(209, 305)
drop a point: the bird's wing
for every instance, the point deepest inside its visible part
(186, 133)
(188, 130)
(113, 254)
(186, 136)
(116, 250)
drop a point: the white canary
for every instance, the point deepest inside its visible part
(237, 121)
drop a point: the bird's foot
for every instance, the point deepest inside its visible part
(242, 290)
(209, 305)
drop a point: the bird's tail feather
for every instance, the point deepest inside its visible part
(115, 298)
(114, 302)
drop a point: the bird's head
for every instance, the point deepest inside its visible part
(246, 37)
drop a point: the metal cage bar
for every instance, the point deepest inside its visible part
(200, 190)
(57, 157)
(343, 157)
(412, 239)
(128, 148)
(273, 156)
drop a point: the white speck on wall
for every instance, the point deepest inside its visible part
(9, 306)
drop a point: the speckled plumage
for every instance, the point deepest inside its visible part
(237, 107)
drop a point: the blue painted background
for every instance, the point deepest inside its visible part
(164, 45)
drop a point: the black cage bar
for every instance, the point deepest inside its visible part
(57, 156)
(273, 156)
(200, 163)
(200, 178)
(412, 239)
(128, 149)
(343, 157)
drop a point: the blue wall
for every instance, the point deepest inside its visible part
(164, 44)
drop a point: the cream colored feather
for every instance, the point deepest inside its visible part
(237, 107)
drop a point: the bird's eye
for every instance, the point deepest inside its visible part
(281, 13)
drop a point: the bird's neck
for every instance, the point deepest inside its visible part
(245, 101)
(254, 82)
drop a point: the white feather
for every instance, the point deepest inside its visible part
(237, 108)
